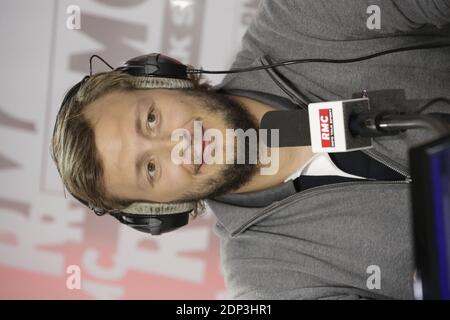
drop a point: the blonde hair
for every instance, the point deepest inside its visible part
(73, 146)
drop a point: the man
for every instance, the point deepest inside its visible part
(323, 226)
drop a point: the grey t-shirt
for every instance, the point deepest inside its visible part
(327, 241)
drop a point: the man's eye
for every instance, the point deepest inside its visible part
(151, 119)
(151, 168)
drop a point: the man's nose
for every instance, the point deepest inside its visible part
(161, 144)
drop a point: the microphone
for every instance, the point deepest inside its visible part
(293, 128)
(326, 126)
(344, 125)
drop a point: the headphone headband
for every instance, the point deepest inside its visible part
(158, 209)
(162, 83)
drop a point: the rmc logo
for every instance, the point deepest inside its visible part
(326, 128)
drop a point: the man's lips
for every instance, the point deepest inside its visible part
(204, 144)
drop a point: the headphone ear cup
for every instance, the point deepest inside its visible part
(155, 65)
(154, 224)
(155, 218)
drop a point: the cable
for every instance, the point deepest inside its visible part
(288, 62)
(100, 58)
(431, 102)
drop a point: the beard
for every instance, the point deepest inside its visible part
(231, 176)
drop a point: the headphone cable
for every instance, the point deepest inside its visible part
(289, 62)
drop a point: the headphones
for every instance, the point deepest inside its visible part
(153, 71)
(159, 71)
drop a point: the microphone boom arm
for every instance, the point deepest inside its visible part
(388, 123)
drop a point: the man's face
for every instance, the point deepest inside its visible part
(133, 133)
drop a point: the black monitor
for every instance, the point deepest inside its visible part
(430, 192)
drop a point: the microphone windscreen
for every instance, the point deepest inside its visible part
(293, 128)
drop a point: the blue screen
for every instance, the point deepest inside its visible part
(440, 173)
